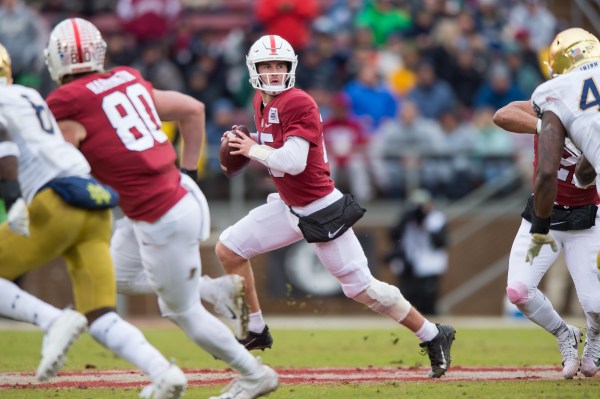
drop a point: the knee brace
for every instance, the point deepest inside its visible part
(517, 292)
(385, 299)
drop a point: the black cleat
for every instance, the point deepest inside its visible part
(262, 340)
(438, 350)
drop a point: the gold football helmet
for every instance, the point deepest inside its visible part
(5, 68)
(571, 48)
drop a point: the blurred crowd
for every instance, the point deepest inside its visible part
(407, 88)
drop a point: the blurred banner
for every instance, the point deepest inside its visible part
(297, 271)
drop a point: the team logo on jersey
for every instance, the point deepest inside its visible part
(273, 115)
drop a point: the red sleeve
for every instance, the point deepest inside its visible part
(302, 119)
(61, 104)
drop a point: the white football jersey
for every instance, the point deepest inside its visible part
(45, 155)
(575, 99)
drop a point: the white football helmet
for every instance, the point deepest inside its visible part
(75, 46)
(271, 48)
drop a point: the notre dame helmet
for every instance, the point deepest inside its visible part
(571, 48)
(5, 67)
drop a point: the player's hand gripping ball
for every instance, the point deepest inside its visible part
(232, 165)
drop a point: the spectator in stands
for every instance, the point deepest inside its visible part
(371, 100)
(490, 21)
(493, 147)
(419, 256)
(398, 148)
(23, 33)
(403, 79)
(315, 70)
(345, 142)
(289, 19)
(384, 17)
(207, 80)
(466, 77)
(432, 95)
(498, 90)
(155, 66)
(451, 173)
(523, 67)
(121, 49)
(148, 20)
(533, 17)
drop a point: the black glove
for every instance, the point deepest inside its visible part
(193, 173)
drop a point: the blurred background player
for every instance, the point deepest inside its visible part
(289, 142)
(567, 105)
(69, 216)
(114, 117)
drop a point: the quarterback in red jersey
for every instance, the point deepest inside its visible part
(579, 242)
(114, 117)
(289, 142)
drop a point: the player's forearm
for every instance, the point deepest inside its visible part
(516, 117)
(290, 159)
(192, 131)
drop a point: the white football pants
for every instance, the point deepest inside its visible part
(580, 249)
(272, 226)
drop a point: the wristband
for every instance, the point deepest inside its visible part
(10, 191)
(539, 225)
(538, 126)
(260, 152)
(193, 173)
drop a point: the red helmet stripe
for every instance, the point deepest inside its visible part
(77, 40)
(273, 48)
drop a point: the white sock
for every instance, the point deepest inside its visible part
(256, 323)
(539, 310)
(427, 332)
(20, 305)
(128, 342)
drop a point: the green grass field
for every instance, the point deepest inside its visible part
(388, 348)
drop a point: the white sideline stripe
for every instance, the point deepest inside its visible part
(114, 377)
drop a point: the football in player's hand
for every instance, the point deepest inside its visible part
(232, 165)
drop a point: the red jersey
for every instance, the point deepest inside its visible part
(295, 113)
(124, 145)
(567, 193)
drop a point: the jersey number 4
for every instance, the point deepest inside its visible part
(590, 96)
(133, 116)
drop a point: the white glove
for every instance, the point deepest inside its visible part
(537, 242)
(18, 218)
